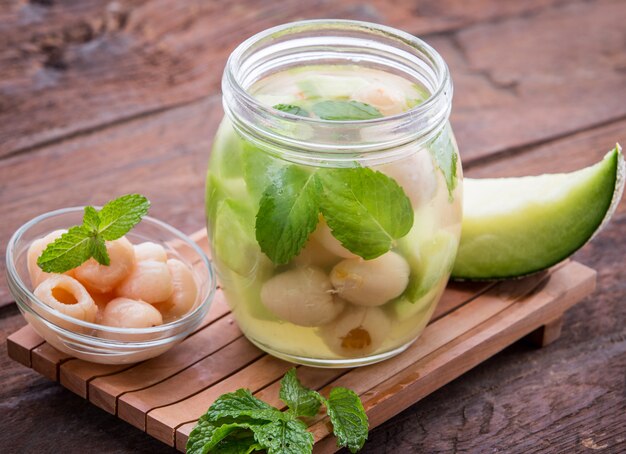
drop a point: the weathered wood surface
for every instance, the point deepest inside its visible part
(95, 95)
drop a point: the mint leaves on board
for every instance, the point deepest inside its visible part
(82, 242)
(301, 400)
(348, 417)
(365, 209)
(238, 422)
(345, 111)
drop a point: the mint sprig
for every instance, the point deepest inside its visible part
(81, 242)
(238, 422)
(365, 209)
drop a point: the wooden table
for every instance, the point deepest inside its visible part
(102, 98)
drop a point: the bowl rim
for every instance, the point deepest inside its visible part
(13, 275)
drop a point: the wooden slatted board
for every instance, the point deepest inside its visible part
(164, 396)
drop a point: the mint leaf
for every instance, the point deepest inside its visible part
(444, 152)
(200, 435)
(301, 400)
(238, 442)
(288, 213)
(292, 109)
(345, 110)
(67, 252)
(91, 220)
(285, 437)
(365, 209)
(97, 247)
(259, 169)
(242, 403)
(82, 242)
(348, 417)
(224, 436)
(98, 250)
(122, 214)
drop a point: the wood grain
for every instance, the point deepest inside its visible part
(20, 344)
(104, 391)
(158, 54)
(548, 333)
(134, 405)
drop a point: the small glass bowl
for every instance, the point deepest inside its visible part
(100, 343)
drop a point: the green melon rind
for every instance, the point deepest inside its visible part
(539, 234)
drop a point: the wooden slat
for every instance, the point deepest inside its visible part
(162, 422)
(21, 343)
(133, 406)
(567, 286)
(46, 360)
(104, 391)
(77, 374)
(458, 293)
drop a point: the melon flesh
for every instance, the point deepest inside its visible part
(517, 226)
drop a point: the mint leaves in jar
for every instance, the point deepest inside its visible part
(366, 211)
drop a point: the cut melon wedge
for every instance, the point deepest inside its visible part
(517, 226)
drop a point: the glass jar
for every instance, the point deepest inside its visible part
(334, 190)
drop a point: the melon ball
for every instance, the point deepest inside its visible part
(150, 251)
(149, 281)
(130, 313)
(68, 296)
(103, 278)
(303, 296)
(358, 331)
(371, 282)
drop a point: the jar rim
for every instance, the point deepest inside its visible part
(433, 111)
